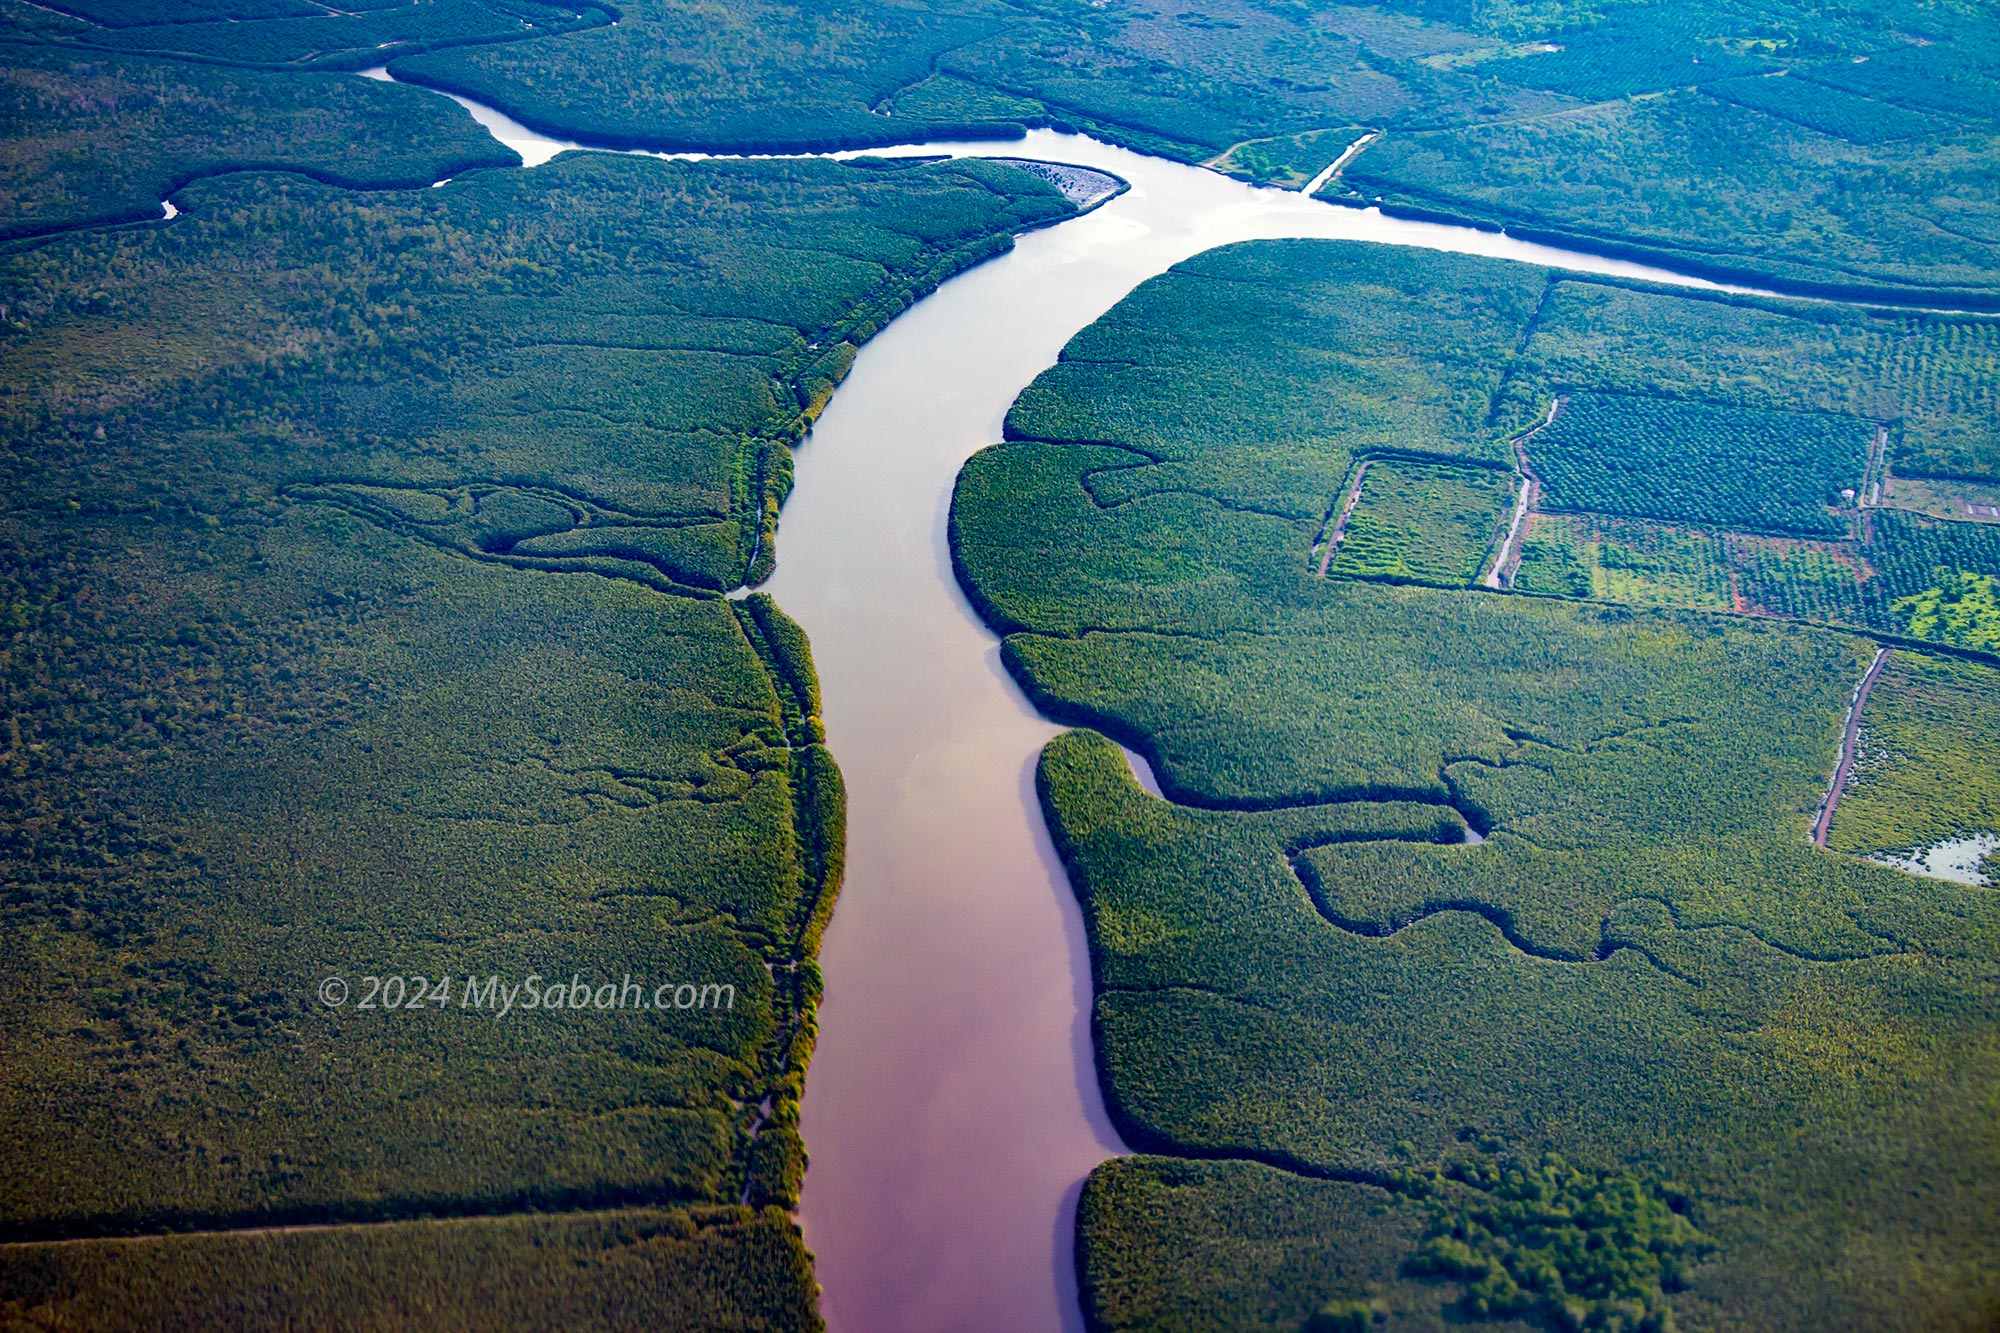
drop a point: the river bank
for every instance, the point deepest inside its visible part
(953, 1111)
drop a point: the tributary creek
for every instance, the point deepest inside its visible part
(952, 1110)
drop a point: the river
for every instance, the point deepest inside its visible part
(952, 1110)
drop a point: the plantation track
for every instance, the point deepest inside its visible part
(1352, 151)
(1330, 543)
(1850, 739)
(1084, 151)
(1531, 488)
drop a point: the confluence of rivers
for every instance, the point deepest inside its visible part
(952, 1109)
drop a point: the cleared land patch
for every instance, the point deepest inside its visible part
(1926, 769)
(1422, 522)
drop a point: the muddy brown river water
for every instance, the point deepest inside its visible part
(952, 1110)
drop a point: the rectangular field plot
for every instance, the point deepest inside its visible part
(1421, 522)
(1827, 110)
(1911, 575)
(1953, 78)
(1977, 501)
(1927, 770)
(1618, 60)
(1826, 582)
(1592, 557)
(1621, 560)
(1729, 467)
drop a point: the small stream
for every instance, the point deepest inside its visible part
(952, 1109)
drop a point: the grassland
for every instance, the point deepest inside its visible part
(288, 34)
(1772, 1059)
(361, 579)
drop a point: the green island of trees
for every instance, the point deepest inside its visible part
(1440, 865)
(362, 575)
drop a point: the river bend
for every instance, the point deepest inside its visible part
(952, 1109)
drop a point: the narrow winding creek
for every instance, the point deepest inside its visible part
(952, 1110)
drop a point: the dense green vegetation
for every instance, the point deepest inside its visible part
(1184, 457)
(1728, 466)
(703, 1267)
(1383, 353)
(1925, 772)
(1234, 1020)
(1545, 1241)
(1235, 1245)
(361, 561)
(1957, 80)
(1422, 523)
(1629, 125)
(173, 122)
(360, 569)
(1826, 110)
(1695, 181)
(1643, 965)
(291, 34)
(1212, 1246)
(1555, 567)
(1651, 127)
(1841, 176)
(1810, 378)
